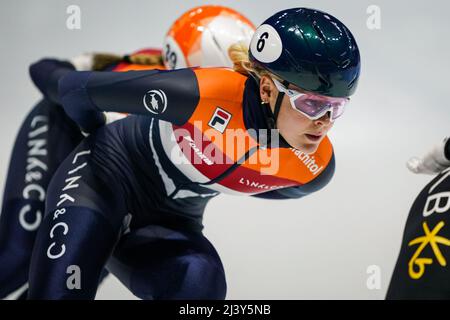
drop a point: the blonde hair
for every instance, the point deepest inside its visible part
(238, 54)
(103, 60)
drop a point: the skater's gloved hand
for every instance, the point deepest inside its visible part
(83, 62)
(433, 162)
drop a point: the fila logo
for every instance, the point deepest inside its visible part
(220, 119)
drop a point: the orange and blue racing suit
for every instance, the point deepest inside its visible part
(191, 134)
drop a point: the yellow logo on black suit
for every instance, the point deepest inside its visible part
(430, 238)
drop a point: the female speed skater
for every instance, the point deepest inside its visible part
(421, 271)
(48, 135)
(177, 150)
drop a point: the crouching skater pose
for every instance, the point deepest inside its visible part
(258, 130)
(48, 135)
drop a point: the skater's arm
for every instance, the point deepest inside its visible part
(434, 161)
(167, 95)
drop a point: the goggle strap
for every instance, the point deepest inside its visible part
(278, 103)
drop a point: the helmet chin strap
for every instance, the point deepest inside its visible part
(272, 117)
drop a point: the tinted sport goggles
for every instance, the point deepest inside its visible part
(314, 106)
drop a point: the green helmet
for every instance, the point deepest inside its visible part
(310, 49)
